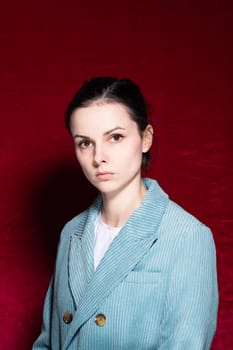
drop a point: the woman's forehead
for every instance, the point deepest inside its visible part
(97, 120)
(101, 116)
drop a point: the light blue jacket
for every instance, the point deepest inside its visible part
(156, 285)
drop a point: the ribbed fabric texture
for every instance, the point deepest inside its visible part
(156, 285)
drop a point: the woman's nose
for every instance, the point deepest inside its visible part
(99, 155)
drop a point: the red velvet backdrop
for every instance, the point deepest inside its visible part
(180, 53)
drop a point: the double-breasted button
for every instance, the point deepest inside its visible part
(67, 317)
(100, 320)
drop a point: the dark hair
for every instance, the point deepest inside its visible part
(109, 90)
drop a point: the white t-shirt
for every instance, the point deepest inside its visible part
(104, 235)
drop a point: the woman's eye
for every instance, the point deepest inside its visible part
(84, 144)
(116, 137)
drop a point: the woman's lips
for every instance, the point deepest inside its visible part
(104, 176)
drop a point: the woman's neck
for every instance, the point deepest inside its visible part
(117, 207)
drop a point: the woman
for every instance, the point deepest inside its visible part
(135, 270)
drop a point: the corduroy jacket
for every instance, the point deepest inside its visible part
(155, 288)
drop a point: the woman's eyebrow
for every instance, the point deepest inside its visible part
(114, 129)
(81, 136)
(105, 133)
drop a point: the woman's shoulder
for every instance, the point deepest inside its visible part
(180, 221)
(174, 217)
(180, 215)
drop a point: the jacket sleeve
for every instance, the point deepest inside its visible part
(192, 300)
(43, 341)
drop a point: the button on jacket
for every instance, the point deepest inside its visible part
(155, 288)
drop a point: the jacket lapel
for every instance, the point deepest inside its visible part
(81, 260)
(91, 288)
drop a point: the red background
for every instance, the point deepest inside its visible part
(180, 53)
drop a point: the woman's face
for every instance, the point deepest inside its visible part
(108, 145)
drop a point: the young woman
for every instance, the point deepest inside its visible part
(134, 271)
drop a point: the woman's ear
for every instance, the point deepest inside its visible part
(147, 138)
